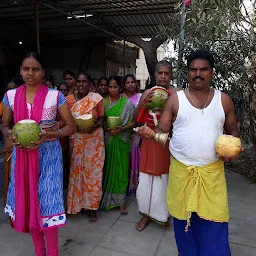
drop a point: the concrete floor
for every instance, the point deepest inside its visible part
(115, 235)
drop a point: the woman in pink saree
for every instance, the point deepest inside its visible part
(131, 93)
(35, 199)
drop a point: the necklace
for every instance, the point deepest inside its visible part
(127, 97)
(110, 101)
(193, 103)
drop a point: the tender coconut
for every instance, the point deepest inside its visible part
(113, 122)
(26, 131)
(228, 145)
(158, 99)
(85, 121)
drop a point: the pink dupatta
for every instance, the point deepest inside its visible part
(27, 210)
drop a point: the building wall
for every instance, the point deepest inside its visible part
(142, 74)
(81, 55)
(118, 62)
(97, 57)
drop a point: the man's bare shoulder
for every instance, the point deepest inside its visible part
(227, 103)
(173, 89)
(225, 97)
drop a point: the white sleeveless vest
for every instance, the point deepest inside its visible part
(195, 131)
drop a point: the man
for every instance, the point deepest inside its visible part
(155, 159)
(69, 78)
(197, 194)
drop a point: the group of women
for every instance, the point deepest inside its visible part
(104, 163)
(102, 159)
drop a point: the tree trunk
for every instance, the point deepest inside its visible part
(150, 52)
(151, 61)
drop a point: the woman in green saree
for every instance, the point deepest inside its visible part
(117, 147)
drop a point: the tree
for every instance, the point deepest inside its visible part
(227, 28)
(150, 51)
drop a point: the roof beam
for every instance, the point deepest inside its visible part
(133, 7)
(82, 21)
(28, 17)
(104, 25)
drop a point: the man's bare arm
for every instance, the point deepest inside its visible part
(168, 115)
(230, 124)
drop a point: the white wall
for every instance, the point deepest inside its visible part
(141, 67)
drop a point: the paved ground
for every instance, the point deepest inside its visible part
(115, 235)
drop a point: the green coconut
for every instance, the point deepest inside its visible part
(26, 131)
(158, 99)
(85, 121)
(113, 122)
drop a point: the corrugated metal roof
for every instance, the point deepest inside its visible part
(122, 18)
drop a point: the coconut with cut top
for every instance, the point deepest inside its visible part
(25, 131)
(85, 121)
(113, 122)
(158, 99)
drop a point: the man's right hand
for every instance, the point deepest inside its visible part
(148, 98)
(146, 133)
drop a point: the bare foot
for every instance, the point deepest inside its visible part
(92, 216)
(123, 209)
(141, 225)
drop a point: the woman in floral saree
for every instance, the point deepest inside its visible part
(87, 153)
(117, 145)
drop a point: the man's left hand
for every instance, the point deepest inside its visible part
(229, 159)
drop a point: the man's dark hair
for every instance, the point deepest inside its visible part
(17, 80)
(202, 55)
(163, 63)
(68, 72)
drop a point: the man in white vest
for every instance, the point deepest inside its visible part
(197, 193)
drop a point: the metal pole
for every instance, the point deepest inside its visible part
(181, 42)
(37, 27)
(124, 58)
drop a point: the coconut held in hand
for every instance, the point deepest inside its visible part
(228, 145)
(85, 121)
(26, 131)
(113, 122)
(158, 99)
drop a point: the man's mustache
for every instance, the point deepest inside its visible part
(198, 77)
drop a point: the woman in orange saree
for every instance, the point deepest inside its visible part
(87, 153)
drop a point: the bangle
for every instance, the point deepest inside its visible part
(61, 131)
